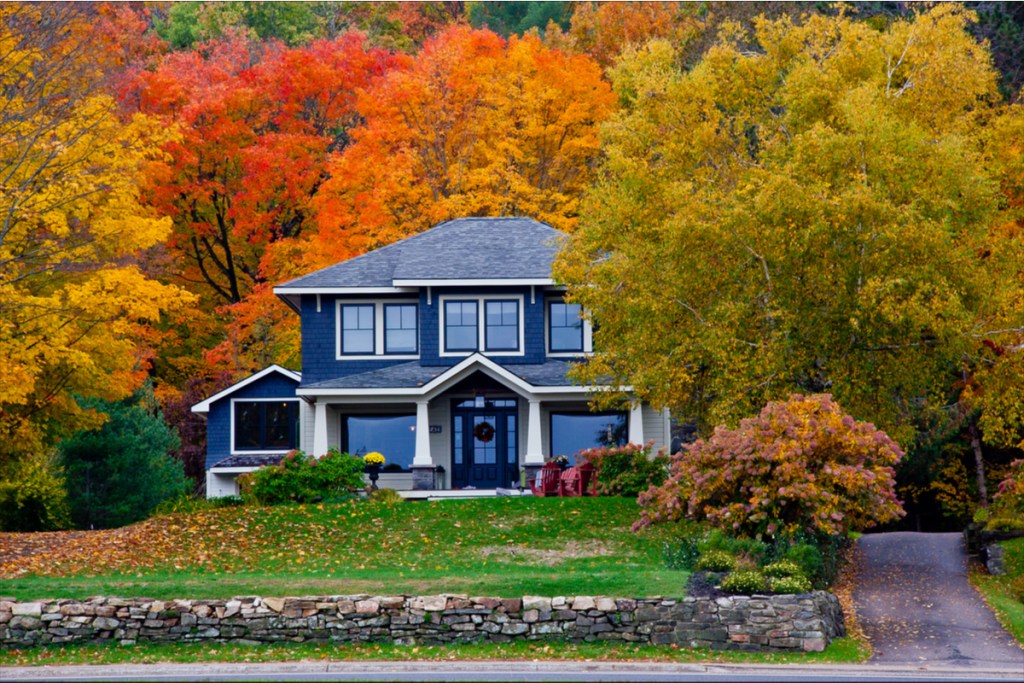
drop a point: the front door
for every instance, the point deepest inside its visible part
(484, 443)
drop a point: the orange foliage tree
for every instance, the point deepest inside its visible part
(473, 125)
(257, 123)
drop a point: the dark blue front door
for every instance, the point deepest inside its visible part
(484, 437)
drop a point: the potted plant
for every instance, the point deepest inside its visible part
(373, 462)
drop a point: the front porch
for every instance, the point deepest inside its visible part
(474, 428)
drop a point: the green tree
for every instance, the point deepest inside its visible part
(120, 472)
(815, 215)
(508, 18)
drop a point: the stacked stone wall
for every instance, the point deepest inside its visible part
(805, 622)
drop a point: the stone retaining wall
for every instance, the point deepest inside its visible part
(779, 622)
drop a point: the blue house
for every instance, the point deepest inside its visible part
(448, 352)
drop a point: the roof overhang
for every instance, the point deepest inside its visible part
(474, 282)
(204, 406)
(452, 376)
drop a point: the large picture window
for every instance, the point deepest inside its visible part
(400, 328)
(392, 435)
(574, 432)
(266, 425)
(460, 326)
(502, 331)
(357, 334)
(565, 327)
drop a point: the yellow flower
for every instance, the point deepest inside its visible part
(373, 458)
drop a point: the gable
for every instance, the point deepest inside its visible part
(271, 382)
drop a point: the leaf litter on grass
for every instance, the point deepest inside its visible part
(327, 538)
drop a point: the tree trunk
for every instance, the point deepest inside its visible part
(979, 463)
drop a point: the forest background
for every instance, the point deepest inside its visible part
(165, 164)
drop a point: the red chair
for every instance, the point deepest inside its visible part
(578, 481)
(547, 480)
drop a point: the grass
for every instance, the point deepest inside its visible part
(996, 589)
(843, 650)
(496, 546)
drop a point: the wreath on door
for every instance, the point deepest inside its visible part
(484, 432)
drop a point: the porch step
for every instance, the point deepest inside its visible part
(450, 494)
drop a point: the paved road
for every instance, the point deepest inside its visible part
(916, 605)
(508, 672)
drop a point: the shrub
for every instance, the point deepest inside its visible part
(745, 581)
(301, 478)
(782, 569)
(1008, 503)
(716, 561)
(789, 584)
(626, 470)
(32, 494)
(800, 464)
(1005, 524)
(808, 558)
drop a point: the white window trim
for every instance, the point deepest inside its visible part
(262, 400)
(481, 327)
(378, 330)
(588, 334)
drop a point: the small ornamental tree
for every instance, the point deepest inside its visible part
(801, 464)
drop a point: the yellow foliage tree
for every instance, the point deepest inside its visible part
(816, 214)
(73, 288)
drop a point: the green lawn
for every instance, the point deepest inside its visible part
(843, 650)
(996, 589)
(496, 546)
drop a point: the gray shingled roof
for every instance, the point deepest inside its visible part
(255, 460)
(461, 249)
(551, 373)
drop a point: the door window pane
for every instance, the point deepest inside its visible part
(573, 432)
(502, 325)
(400, 328)
(394, 436)
(460, 326)
(357, 329)
(565, 327)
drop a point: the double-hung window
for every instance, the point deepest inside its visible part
(368, 329)
(565, 327)
(265, 425)
(400, 328)
(357, 329)
(502, 331)
(460, 326)
(492, 325)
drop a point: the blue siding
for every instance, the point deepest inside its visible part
(218, 421)
(319, 330)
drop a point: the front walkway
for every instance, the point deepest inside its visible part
(916, 606)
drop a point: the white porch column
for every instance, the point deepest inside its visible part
(422, 457)
(320, 428)
(534, 443)
(636, 423)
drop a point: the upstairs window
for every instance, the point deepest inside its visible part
(400, 331)
(266, 425)
(565, 327)
(502, 332)
(460, 326)
(357, 332)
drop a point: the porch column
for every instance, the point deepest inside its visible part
(534, 443)
(636, 423)
(320, 428)
(424, 473)
(422, 457)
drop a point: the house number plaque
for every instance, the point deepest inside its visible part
(435, 429)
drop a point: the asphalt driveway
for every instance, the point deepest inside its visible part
(916, 606)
